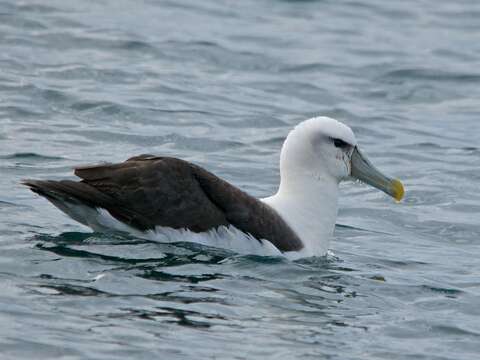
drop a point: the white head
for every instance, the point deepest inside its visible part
(318, 154)
(319, 148)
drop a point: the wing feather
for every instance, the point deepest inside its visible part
(147, 191)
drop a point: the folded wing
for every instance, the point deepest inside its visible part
(148, 191)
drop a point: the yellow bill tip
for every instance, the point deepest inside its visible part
(398, 189)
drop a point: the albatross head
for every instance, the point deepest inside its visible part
(325, 150)
(316, 156)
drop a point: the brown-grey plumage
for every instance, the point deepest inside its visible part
(148, 191)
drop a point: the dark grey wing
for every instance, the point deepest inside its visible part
(247, 213)
(149, 191)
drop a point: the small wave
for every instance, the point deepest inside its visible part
(454, 330)
(449, 292)
(431, 75)
(21, 111)
(89, 105)
(181, 142)
(136, 45)
(4, 203)
(75, 290)
(30, 155)
(309, 68)
(36, 8)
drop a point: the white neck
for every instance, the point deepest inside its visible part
(308, 204)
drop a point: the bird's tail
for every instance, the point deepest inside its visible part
(76, 199)
(64, 190)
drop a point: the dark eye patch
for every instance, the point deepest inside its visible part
(339, 143)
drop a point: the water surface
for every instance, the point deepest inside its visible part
(220, 83)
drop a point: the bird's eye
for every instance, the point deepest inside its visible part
(339, 143)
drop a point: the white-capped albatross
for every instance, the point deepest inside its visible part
(147, 194)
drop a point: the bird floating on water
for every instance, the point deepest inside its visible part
(169, 199)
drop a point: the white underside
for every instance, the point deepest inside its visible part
(224, 237)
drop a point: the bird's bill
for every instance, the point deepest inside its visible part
(363, 170)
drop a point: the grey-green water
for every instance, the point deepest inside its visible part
(220, 83)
